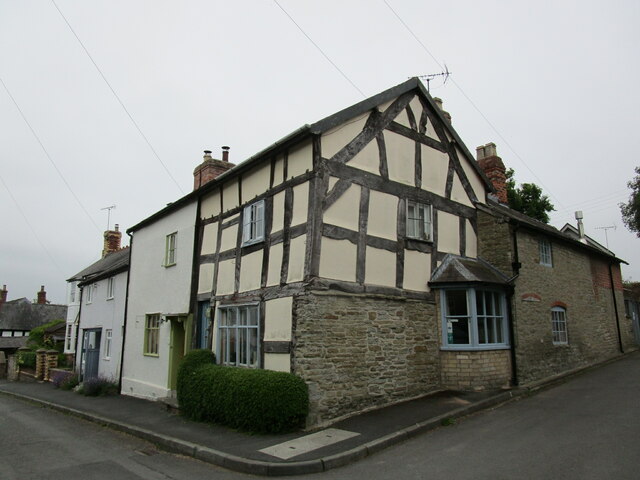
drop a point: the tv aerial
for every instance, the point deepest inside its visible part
(108, 209)
(445, 74)
(606, 237)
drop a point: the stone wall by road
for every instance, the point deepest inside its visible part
(356, 352)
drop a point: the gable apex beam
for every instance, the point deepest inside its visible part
(375, 123)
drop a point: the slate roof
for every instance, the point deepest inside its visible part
(317, 128)
(113, 263)
(565, 235)
(21, 314)
(13, 342)
(455, 269)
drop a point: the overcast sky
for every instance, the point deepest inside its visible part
(553, 83)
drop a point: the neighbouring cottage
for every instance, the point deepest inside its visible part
(566, 295)
(357, 253)
(18, 317)
(95, 321)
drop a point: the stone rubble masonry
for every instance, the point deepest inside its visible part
(357, 352)
(577, 280)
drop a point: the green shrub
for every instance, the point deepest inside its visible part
(27, 359)
(36, 335)
(260, 401)
(70, 382)
(191, 361)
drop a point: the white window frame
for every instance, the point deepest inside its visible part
(89, 290)
(110, 288)
(108, 342)
(546, 254)
(242, 332)
(253, 223)
(559, 332)
(171, 248)
(419, 224)
(477, 319)
(72, 292)
(69, 339)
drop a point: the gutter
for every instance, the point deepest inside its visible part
(516, 270)
(615, 308)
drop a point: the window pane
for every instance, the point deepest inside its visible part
(242, 344)
(233, 348)
(456, 302)
(482, 331)
(459, 331)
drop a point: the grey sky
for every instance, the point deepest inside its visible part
(557, 79)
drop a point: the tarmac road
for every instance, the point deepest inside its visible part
(587, 428)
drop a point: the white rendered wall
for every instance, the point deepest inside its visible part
(156, 289)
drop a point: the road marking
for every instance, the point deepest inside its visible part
(308, 443)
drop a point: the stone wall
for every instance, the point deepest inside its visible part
(570, 283)
(475, 370)
(495, 242)
(356, 352)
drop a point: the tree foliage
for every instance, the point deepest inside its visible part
(631, 210)
(528, 199)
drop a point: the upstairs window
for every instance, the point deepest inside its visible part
(109, 288)
(474, 318)
(419, 221)
(559, 326)
(544, 247)
(72, 292)
(253, 223)
(89, 293)
(107, 343)
(170, 249)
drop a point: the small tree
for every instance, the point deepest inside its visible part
(631, 210)
(528, 199)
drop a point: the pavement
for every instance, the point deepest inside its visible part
(273, 455)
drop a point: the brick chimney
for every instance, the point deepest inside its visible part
(42, 296)
(3, 295)
(111, 241)
(446, 114)
(211, 168)
(494, 169)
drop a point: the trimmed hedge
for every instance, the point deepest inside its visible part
(260, 401)
(27, 359)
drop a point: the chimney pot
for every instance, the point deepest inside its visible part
(211, 168)
(42, 296)
(225, 153)
(112, 240)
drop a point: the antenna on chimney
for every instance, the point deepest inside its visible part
(431, 76)
(108, 214)
(606, 237)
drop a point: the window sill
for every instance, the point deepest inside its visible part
(252, 242)
(109, 298)
(471, 348)
(152, 355)
(167, 265)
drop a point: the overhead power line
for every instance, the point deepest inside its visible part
(135, 124)
(493, 127)
(319, 49)
(64, 180)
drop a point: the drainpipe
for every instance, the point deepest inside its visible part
(76, 358)
(512, 338)
(126, 308)
(615, 307)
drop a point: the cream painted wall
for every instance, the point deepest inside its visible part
(380, 267)
(300, 204)
(400, 158)
(474, 179)
(335, 139)
(210, 205)
(367, 159)
(435, 166)
(278, 212)
(229, 238)
(448, 233)
(296, 259)
(338, 260)
(277, 324)
(471, 246)
(458, 193)
(251, 271)
(332, 182)
(255, 182)
(383, 215)
(346, 210)
(205, 280)
(278, 362)
(300, 160)
(417, 270)
(403, 119)
(226, 277)
(275, 264)
(230, 195)
(278, 171)
(209, 239)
